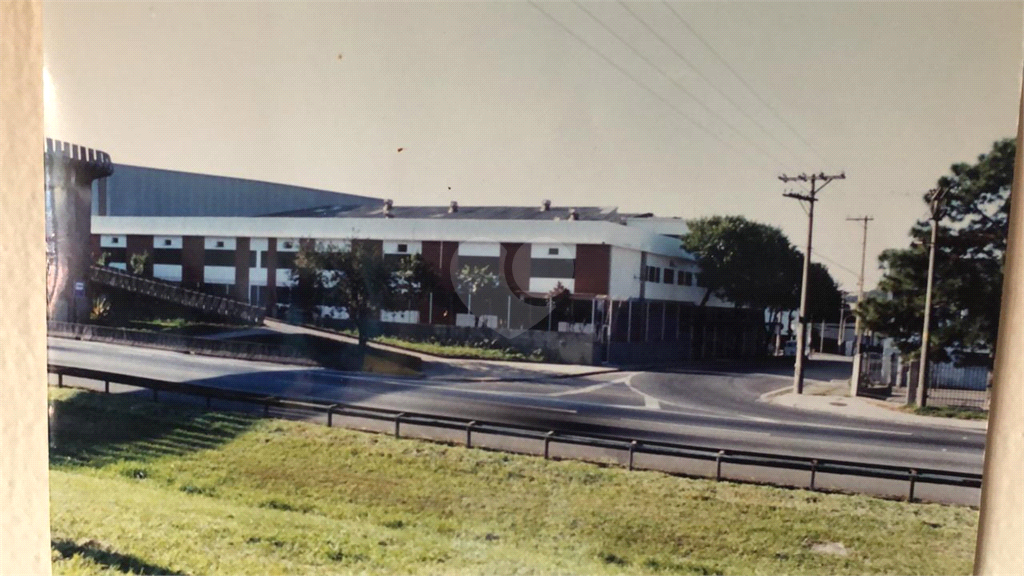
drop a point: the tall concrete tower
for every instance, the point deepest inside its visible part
(70, 172)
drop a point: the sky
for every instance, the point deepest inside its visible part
(684, 109)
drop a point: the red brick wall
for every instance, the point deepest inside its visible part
(192, 252)
(593, 267)
(242, 269)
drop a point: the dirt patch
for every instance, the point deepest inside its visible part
(832, 548)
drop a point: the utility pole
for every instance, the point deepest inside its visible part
(818, 181)
(855, 377)
(935, 204)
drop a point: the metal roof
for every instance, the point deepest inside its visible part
(589, 213)
(141, 191)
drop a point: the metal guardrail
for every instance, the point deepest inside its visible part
(815, 466)
(176, 294)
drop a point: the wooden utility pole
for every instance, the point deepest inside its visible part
(855, 377)
(935, 204)
(818, 181)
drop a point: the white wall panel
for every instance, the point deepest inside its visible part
(170, 272)
(547, 284)
(480, 249)
(565, 251)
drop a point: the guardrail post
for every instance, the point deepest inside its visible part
(632, 448)
(330, 416)
(547, 443)
(913, 480)
(469, 432)
(106, 386)
(814, 471)
(60, 380)
(718, 464)
(398, 422)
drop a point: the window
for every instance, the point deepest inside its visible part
(252, 260)
(167, 242)
(653, 274)
(403, 248)
(165, 256)
(551, 268)
(115, 240)
(287, 244)
(552, 251)
(220, 243)
(670, 276)
(684, 278)
(217, 258)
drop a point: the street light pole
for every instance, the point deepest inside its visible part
(935, 197)
(855, 377)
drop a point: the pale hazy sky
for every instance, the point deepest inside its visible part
(505, 106)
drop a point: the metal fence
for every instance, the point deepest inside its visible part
(813, 466)
(948, 384)
(966, 386)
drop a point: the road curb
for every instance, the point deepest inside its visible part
(767, 396)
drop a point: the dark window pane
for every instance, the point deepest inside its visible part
(491, 262)
(115, 254)
(167, 256)
(670, 276)
(286, 260)
(403, 248)
(252, 259)
(552, 268)
(553, 251)
(219, 258)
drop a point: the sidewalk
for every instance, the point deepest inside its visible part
(834, 398)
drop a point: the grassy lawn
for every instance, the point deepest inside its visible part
(138, 487)
(960, 412)
(448, 350)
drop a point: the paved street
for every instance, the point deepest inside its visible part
(714, 409)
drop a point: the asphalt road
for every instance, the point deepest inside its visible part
(715, 409)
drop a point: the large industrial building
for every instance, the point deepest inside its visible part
(629, 280)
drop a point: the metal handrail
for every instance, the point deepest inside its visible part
(913, 475)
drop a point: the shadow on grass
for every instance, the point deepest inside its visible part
(92, 429)
(104, 556)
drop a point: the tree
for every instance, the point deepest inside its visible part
(744, 262)
(969, 256)
(473, 279)
(359, 280)
(140, 264)
(754, 265)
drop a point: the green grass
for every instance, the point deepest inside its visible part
(959, 412)
(480, 351)
(183, 326)
(138, 487)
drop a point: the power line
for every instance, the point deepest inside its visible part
(674, 82)
(834, 263)
(686, 60)
(639, 83)
(742, 80)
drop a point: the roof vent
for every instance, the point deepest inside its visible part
(545, 206)
(573, 215)
(453, 207)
